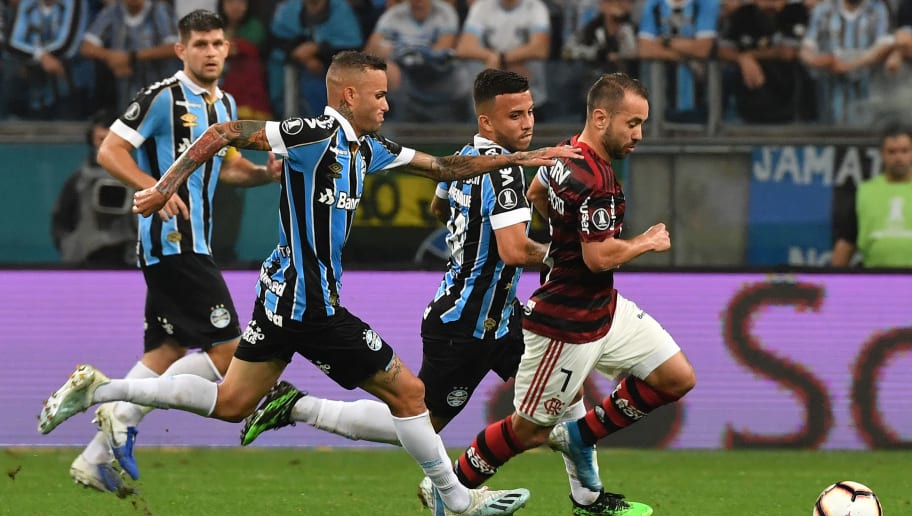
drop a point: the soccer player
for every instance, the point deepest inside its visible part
(298, 306)
(576, 321)
(473, 325)
(187, 302)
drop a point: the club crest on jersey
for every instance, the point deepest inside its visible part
(373, 340)
(507, 199)
(188, 119)
(132, 112)
(457, 397)
(220, 317)
(174, 237)
(293, 125)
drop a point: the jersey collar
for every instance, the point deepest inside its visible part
(347, 128)
(194, 87)
(481, 141)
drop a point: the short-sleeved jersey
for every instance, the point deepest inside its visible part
(161, 122)
(585, 204)
(324, 169)
(477, 292)
(832, 29)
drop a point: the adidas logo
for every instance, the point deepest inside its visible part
(504, 502)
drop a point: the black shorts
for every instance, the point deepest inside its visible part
(454, 362)
(342, 346)
(188, 302)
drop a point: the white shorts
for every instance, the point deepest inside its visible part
(551, 372)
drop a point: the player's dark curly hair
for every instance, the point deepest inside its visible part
(608, 91)
(199, 20)
(491, 83)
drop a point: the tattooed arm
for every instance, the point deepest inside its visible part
(244, 134)
(449, 168)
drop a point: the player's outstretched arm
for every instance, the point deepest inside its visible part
(245, 134)
(450, 168)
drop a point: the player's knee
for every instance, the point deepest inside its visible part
(409, 399)
(233, 408)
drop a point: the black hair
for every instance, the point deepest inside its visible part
(491, 83)
(221, 12)
(608, 91)
(894, 129)
(353, 59)
(200, 20)
(102, 118)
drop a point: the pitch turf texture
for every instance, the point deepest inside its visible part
(270, 481)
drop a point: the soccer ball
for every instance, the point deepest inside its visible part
(847, 498)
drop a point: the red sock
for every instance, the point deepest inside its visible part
(491, 448)
(631, 400)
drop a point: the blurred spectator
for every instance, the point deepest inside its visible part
(245, 73)
(682, 33)
(903, 33)
(768, 82)
(879, 221)
(42, 77)
(134, 40)
(510, 35)
(92, 224)
(416, 38)
(185, 7)
(308, 33)
(846, 40)
(608, 41)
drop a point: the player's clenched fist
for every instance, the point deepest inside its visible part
(659, 238)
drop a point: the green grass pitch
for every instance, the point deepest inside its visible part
(272, 481)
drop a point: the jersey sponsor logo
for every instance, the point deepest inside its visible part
(188, 119)
(335, 170)
(460, 198)
(373, 340)
(628, 409)
(507, 199)
(220, 317)
(327, 197)
(601, 219)
(557, 204)
(273, 317)
(252, 334)
(132, 112)
(457, 397)
(559, 172)
(347, 203)
(155, 85)
(584, 216)
(530, 305)
(276, 287)
(292, 125)
(324, 122)
(506, 176)
(479, 463)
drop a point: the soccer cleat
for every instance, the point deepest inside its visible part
(565, 438)
(73, 397)
(611, 504)
(428, 495)
(273, 413)
(486, 502)
(121, 438)
(102, 477)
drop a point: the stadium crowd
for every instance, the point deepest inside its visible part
(822, 61)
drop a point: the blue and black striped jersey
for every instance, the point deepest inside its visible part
(478, 288)
(324, 169)
(161, 122)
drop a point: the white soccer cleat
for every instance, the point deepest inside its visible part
(73, 397)
(486, 502)
(121, 438)
(102, 477)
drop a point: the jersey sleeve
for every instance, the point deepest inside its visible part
(443, 190)
(294, 132)
(595, 211)
(386, 154)
(144, 117)
(506, 204)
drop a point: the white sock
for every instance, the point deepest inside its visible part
(581, 494)
(197, 363)
(367, 420)
(99, 451)
(418, 438)
(185, 392)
